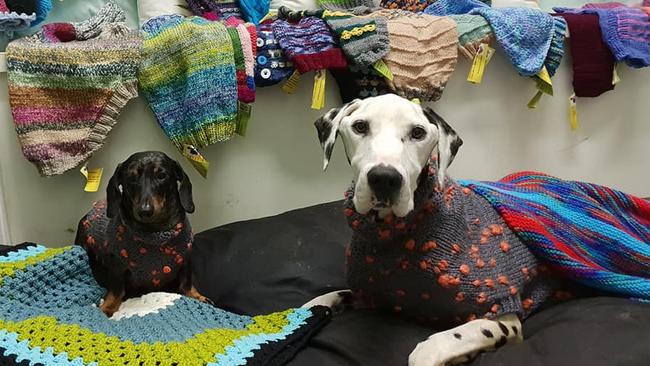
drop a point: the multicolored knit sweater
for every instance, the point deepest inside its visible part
(592, 234)
(66, 94)
(452, 259)
(154, 259)
(48, 316)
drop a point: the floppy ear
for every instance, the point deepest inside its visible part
(113, 194)
(328, 128)
(448, 143)
(184, 189)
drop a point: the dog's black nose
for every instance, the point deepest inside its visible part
(145, 210)
(385, 182)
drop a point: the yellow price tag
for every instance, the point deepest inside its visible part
(243, 116)
(416, 101)
(573, 113)
(196, 159)
(615, 78)
(545, 76)
(93, 178)
(479, 64)
(383, 69)
(291, 85)
(533, 102)
(318, 95)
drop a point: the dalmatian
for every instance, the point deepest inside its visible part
(399, 152)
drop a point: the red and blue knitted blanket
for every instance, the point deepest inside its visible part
(595, 235)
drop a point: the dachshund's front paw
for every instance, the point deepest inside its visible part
(195, 294)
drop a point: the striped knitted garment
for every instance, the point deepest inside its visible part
(592, 234)
(524, 34)
(309, 44)
(48, 316)
(215, 9)
(453, 7)
(423, 54)
(244, 42)
(625, 30)
(66, 96)
(188, 76)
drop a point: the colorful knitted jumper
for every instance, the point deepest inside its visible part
(49, 316)
(189, 78)
(591, 234)
(452, 259)
(66, 94)
(154, 259)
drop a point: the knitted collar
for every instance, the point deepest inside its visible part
(425, 199)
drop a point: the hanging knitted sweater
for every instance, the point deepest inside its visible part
(154, 259)
(450, 260)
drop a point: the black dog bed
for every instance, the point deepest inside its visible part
(265, 265)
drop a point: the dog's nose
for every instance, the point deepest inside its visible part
(145, 210)
(385, 182)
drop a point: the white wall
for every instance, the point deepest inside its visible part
(277, 167)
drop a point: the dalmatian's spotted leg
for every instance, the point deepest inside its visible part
(336, 300)
(464, 342)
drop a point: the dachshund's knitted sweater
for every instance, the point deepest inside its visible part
(154, 259)
(450, 260)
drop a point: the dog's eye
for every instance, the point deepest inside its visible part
(162, 176)
(360, 127)
(418, 133)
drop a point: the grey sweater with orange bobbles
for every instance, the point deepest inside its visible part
(452, 259)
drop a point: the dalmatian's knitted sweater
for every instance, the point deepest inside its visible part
(153, 259)
(452, 259)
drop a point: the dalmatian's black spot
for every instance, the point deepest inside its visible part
(504, 329)
(328, 150)
(324, 128)
(514, 329)
(487, 333)
(458, 336)
(501, 342)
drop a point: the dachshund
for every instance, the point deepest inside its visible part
(139, 239)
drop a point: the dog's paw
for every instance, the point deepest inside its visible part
(427, 353)
(337, 300)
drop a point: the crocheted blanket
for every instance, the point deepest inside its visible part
(595, 235)
(48, 316)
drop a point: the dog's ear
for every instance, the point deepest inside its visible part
(184, 189)
(448, 143)
(113, 193)
(328, 128)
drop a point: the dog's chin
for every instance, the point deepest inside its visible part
(383, 209)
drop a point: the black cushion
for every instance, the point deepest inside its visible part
(270, 264)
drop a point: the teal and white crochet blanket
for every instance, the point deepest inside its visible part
(49, 316)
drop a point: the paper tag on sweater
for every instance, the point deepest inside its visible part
(416, 101)
(615, 78)
(545, 76)
(196, 159)
(243, 116)
(383, 69)
(291, 85)
(318, 96)
(479, 64)
(533, 102)
(573, 113)
(93, 178)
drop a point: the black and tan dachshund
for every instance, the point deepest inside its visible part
(139, 239)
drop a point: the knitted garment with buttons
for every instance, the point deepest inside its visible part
(271, 66)
(67, 85)
(188, 75)
(216, 9)
(423, 54)
(153, 259)
(590, 234)
(524, 34)
(626, 31)
(450, 260)
(49, 316)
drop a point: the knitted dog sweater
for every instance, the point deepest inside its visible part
(423, 53)
(154, 259)
(271, 66)
(188, 75)
(66, 93)
(49, 316)
(452, 259)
